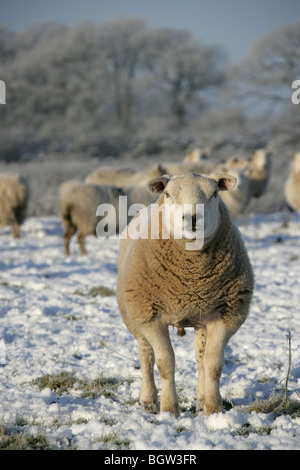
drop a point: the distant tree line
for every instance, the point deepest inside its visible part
(96, 88)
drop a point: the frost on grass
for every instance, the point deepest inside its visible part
(66, 382)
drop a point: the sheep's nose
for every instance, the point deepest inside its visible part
(191, 218)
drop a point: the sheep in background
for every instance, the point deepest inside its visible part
(292, 185)
(162, 283)
(260, 170)
(240, 163)
(195, 161)
(201, 166)
(139, 194)
(194, 155)
(14, 195)
(123, 177)
(238, 198)
(78, 206)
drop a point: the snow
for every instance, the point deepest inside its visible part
(50, 323)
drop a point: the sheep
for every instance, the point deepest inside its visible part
(123, 177)
(260, 170)
(138, 194)
(241, 163)
(163, 281)
(78, 206)
(200, 166)
(238, 198)
(292, 185)
(14, 196)
(194, 155)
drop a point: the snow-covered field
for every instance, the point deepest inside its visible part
(51, 322)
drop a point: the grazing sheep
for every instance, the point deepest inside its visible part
(78, 205)
(260, 170)
(14, 194)
(123, 177)
(163, 282)
(292, 185)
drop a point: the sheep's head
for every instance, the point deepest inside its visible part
(261, 159)
(296, 163)
(193, 200)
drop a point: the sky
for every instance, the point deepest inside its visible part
(234, 24)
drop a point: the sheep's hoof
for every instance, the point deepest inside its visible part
(210, 409)
(150, 407)
(199, 405)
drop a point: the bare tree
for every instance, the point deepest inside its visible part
(268, 70)
(122, 42)
(183, 67)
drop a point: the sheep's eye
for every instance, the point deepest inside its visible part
(167, 195)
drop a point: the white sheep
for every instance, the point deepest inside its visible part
(123, 176)
(260, 171)
(138, 194)
(292, 185)
(201, 166)
(78, 206)
(184, 282)
(14, 195)
(194, 155)
(238, 198)
(241, 163)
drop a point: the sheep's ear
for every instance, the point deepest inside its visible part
(225, 182)
(157, 185)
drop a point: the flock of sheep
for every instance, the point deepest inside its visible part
(79, 200)
(161, 283)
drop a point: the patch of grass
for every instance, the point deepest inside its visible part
(114, 439)
(277, 406)
(108, 421)
(98, 290)
(191, 408)
(19, 440)
(181, 429)
(131, 401)
(102, 386)
(66, 381)
(101, 290)
(73, 317)
(59, 383)
(13, 286)
(247, 429)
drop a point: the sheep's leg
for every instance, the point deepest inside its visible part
(213, 360)
(158, 337)
(14, 225)
(148, 396)
(68, 233)
(15, 229)
(199, 346)
(80, 239)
